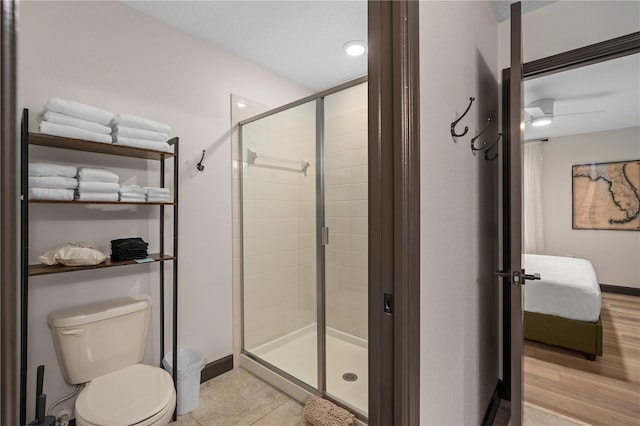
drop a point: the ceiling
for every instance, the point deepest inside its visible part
(502, 9)
(612, 87)
(299, 40)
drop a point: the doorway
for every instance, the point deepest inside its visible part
(594, 54)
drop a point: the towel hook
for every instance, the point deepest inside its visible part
(486, 153)
(473, 139)
(453, 125)
(200, 166)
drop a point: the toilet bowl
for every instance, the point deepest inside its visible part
(101, 346)
(137, 395)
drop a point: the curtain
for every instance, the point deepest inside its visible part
(533, 241)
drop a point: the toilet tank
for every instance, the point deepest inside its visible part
(96, 339)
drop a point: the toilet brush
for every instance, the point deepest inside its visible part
(41, 403)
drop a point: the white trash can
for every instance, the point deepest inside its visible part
(188, 378)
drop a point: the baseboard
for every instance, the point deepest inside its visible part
(617, 289)
(216, 368)
(492, 408)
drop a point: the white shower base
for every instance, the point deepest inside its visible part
(296, 354)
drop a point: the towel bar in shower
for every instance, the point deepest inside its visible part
(303, 165)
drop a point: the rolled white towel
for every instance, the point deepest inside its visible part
(79, 110)
(104, 187)
(141, 143)
(130, 120)
(98, 196)
(51, 194)
(132, 132)
(53, 182)
(67, 120)
(72, 132)
(89, 174)
(49, 169)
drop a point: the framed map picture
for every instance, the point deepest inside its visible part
(606, 195)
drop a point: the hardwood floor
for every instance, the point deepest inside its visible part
(601, 392)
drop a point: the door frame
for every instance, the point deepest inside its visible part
(394, 213)
(9, 205)
(599, 52)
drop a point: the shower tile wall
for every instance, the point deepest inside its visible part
(279, 226)
(346, 213)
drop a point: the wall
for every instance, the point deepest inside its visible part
(347, 284)
(459, 294)
(279, 225)
(108, 55)
(614, 254)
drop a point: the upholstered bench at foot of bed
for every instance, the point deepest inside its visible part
(582, 336)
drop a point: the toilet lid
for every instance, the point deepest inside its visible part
(127, 396)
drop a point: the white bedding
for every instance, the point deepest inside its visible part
(568, 287)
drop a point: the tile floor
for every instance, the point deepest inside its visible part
(239, 398)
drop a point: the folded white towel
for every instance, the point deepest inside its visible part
(152, 190)
(133, 197)
(49, 169)
(67, 120)
(76, 109)
(107, 187)
(130, 120)
(72, 132)
(132, 132)
(132, 189)
(50, 194)
(98, 196)
(158, 200)
(53, 182)
(144, 144)
(89, 174)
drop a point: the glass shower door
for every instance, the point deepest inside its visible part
(346, 254)
(278, 187)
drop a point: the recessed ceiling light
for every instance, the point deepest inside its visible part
(241, 104)
(541, 121)
(355, 48)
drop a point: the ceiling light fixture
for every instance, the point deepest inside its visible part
(355, 48)
(241, 104)
(541, 121)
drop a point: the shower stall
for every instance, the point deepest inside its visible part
(304, 225)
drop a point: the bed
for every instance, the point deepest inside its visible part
(563, 308)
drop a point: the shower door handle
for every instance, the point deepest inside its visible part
(325, 236)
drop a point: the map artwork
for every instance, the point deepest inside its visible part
(606, 196)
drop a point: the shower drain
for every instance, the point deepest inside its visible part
(350, 377)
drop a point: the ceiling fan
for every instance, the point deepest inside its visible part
(541, 112)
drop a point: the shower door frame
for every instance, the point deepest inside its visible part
(320, 247)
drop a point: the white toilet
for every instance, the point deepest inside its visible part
(102, 345)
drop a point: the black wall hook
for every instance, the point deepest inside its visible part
(473, 139)
(453, 125)
(486, 153)
(200, 166)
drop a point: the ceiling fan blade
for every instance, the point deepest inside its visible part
(534, 111)
(576, 113)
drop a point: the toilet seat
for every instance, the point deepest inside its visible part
(137, 395)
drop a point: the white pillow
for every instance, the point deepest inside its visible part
(74, 254)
